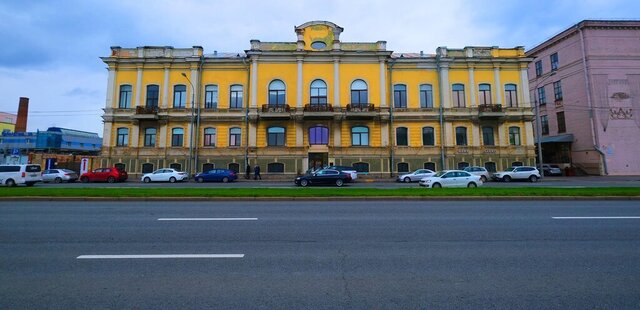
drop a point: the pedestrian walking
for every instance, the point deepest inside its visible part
(256, 173)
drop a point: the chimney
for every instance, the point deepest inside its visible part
(23, 112)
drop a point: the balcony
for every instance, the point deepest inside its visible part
(282, 111)
(146, 113)
(490, 111)
(318, 111)
(361, 111)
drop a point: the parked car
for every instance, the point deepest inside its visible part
(451, 178)
(479, 171)
(324, 176)
(348, 169)
(12, 175)
(551, 170)
(110, 175)
(216, 175)
(59, 175)
(165, 175)
(518, 173)
(415, 176)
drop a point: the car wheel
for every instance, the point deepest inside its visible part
(29, 183)
(407, 180)
(506, 178)
(111, 180)
(533, 179)
(483, 179)
(147, 180)
(472, 184)
(58, 180)
(10, 183)
(84, 180)
(436, 185)
(304, 183)
(339, 182)
(199, 180)
(172, 179)
(225, 180)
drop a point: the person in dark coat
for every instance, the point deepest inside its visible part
(256, 173)
(247, 174)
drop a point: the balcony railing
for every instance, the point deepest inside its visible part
(146, 110)
(281, 108)
(490, 108)
(362, 107)
(318, 108)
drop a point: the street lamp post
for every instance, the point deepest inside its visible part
(190, 169)
(539, 122)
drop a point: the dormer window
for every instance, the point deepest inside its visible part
(318, 45)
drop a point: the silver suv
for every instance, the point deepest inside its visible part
(479, 171)
(518, 173)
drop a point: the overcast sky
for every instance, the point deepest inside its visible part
(50, 49)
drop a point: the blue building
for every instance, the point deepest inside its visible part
(16, 146)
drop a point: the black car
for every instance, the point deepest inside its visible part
(324, 176)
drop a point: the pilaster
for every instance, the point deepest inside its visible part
(138, 88)
(498, 83)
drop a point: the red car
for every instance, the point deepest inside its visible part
(110, 175)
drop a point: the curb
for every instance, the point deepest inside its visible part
(386, 198)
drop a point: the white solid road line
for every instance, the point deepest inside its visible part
(161, 256)
(594, 217)
(209, 219)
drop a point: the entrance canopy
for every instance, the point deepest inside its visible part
(558, 139)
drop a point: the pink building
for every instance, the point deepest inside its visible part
(586, 82)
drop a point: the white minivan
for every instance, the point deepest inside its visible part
(12, 175)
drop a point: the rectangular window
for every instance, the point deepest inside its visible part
(511, 95)
(401, 136)
(514, 135)
(236, 97)
(125, 97)
(461, 136)
(561, 125)
(179, 96)
(150, 137)
(426, 96)
(123, 137)
(400, 96)
(211, 97)
(458, 96)
(487, 136)
(177, 139)
(542, 98)
(152, 96)
(428, 136)
(539, 68)
(235, 135)
(554, 61)
(544, 123)
(557, 90)
(484, 94)
(210, 137)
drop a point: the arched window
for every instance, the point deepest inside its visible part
(150, 137)
(277, 93)
(359, 136)
(490, 166)
(426, 96)
(431, 166)
(516, 164)
(210, 137)
(120, 166)
(235, 136)
(235, 167)
(403, 167)
(152, 96)
(235, 97)
(511, 95)
(275, 168)
(176, 166)
(275, 136)
(147, 168)
(211, 97)
(179, 96)
(207, 167)
(125, 97)
(400, 96)
(462, 165)
(487, 135)
(458, 95)
(514, 135)
(123, 137)
(428, 136)
(402, 136)
(177, 137)
(484, 94)
(318, 135)
(461, 135)
(318, 93)
(361, 167)
(359, 95)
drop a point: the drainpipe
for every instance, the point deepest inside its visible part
(199, 101)
(391, 107)
(587, 82)
(246, 115)
(441, 117)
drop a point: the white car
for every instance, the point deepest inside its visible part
(480, 171)
(165, 175)
(518, 173)
(415, 176)
(59, 175)
(451, 178)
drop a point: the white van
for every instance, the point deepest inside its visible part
(11, 175)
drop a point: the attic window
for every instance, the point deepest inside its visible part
(318, 45)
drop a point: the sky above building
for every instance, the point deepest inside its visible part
(50, 49)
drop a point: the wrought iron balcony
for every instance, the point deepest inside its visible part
(490, 111)
(146, 110)
(281, 108)
(362, 107)
(318, 108)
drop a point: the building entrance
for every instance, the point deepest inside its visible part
(318, 160)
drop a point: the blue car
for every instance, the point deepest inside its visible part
(216, 175)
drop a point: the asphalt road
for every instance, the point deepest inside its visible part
(301, 255)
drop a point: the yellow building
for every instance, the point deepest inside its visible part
(290, 106)
(7, 122)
